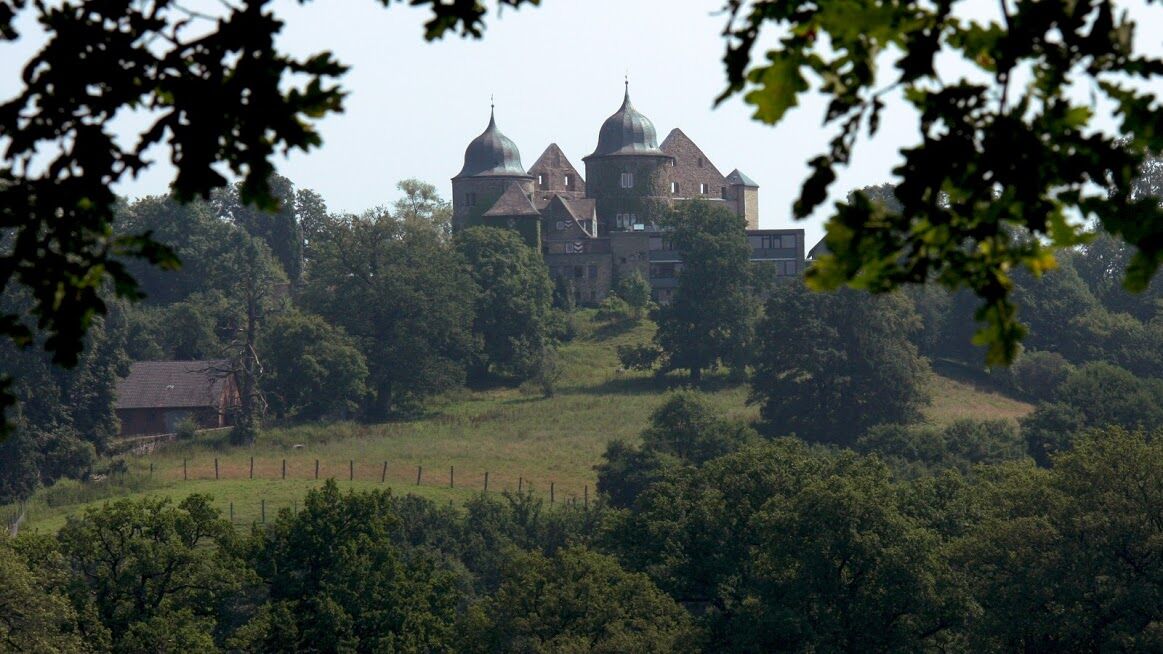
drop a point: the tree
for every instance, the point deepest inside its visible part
(218, 93)
(709, 320)
(251, 279)
(422, 208)
(831, 365)
(153, 571)
(840, 567)
(313, 369)
(1001, 166)
(635, 291)
(279, 229)
(336, 582)
(415, 299)
(1073, 550)
(37, 615)
(576, 601)
(513, 309)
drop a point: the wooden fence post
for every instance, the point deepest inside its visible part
(151, 469)
(520, 484)
(384, 474)
(215, 468)
(351, 469)
(264, 511)
(452, 476)
(551, 492)
(486, 481)
(184, 477)
(587, 497)
(284, 468)
(232, 513)
(419, 469)
(316, 469)
(252, 467)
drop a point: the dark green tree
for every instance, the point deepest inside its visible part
(280, 228)
(415, 300)
(38, 616)
(574, 601)
(710, 319)
(153, 571)
(831, 365)
(312, 369)
(635, 291)
(337, 583)
(513, 309)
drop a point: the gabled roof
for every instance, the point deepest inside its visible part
(172, 384)
(513, 202)
(580, 212)
(677, 141)
(553, 159)
(737, 178)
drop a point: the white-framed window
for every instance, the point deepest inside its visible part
(627, 180)
(674, 188)
(703, 188)
(541, 180)
(625, 220)
(568, 182)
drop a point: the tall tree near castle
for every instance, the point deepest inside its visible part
(709, 321)
(415, 304)
(514, 306)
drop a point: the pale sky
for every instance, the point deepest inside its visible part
(556, 73)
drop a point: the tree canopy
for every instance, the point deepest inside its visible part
(1009, 161)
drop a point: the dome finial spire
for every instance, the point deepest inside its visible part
(626, 81)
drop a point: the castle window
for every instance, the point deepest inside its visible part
(674, 188)
(627, 180)
(723, 192)
(470, 199)
(593, 271)
(789, 241)
(703, 188)
(579, 272)
(700, 162)
(543, 180)
(568, 182)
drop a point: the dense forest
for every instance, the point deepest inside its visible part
(837, 521)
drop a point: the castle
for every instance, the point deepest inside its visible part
(591, 230)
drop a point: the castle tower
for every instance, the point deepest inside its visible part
(625, 174)
(745, 193)
(492, 164)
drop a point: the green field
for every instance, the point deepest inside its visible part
(515, 435)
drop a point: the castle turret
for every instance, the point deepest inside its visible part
(624, 174)
(492, 164)
(745, 193)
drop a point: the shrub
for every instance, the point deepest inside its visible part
(638, 357)
(1039, 374)
(186, 428)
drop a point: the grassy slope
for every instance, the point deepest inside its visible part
(514, 434)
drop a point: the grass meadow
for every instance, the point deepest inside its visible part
(516, 435)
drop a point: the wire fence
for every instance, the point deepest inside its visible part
(249, 508)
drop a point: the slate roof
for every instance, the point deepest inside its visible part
(737, 177)
(492, 154)
(171, 384)
(626, 132)
(513, 202)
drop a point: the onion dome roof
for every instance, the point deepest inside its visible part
(627, 132)
(492, 154)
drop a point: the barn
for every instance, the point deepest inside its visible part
(157, 395)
